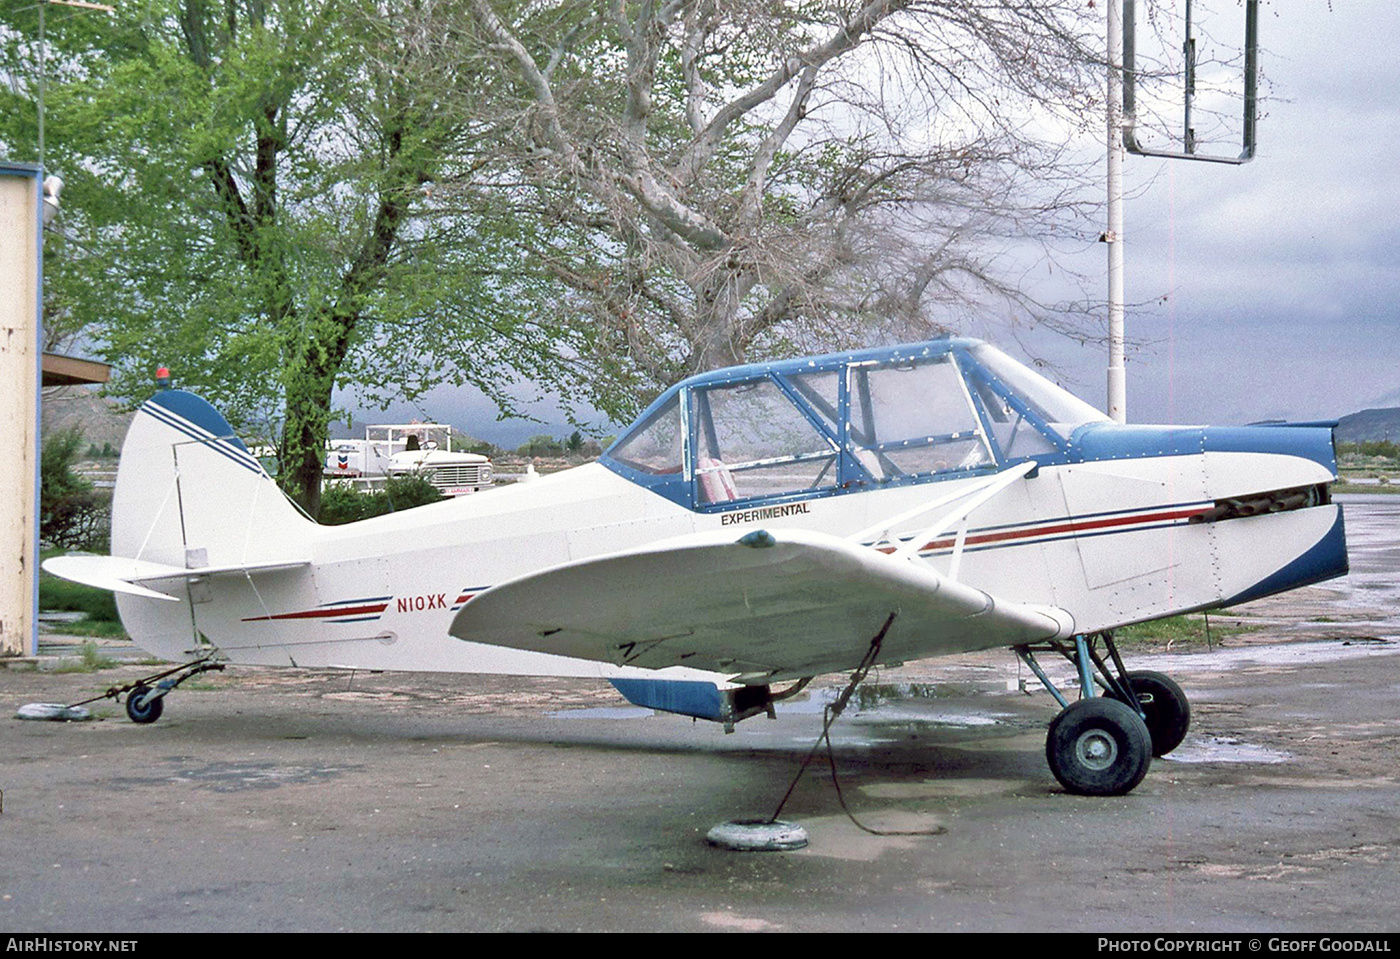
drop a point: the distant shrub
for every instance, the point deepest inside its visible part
(342, 504)
(72, 514)
(483, 448)
(541, 445)
(1369, 449)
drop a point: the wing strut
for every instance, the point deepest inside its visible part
(830, 714)
(976, 495)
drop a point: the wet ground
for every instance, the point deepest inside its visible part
(293, 800)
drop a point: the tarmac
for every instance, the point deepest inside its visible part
(295, 800)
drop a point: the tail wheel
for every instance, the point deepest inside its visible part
(143, 712)
(1165, 706)
(1098, 747)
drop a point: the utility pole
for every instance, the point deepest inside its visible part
(1122, 138)
(1117, 375)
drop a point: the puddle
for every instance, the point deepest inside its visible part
(603, 712)
(1372, 552)
(1281, 654)
(892, 702)
(959, 720)
(1224, 749)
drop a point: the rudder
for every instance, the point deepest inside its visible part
(190, 494)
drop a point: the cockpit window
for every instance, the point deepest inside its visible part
(1016, 436)
(826, 425)
(1058, 408)
(655, 445)
(753, 441)
(822, 393)
(914, 419)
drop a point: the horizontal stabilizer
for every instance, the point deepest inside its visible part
(122, 575)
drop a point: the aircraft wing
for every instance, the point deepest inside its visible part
(767, 606)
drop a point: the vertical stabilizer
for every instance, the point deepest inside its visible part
(189, 494)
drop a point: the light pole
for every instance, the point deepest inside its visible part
(1117, 376)
(1122, 138)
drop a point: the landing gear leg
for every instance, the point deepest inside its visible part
(1104, 746)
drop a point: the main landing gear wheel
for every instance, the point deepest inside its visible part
(140, 712)
(1168, 713)
(1098, 747)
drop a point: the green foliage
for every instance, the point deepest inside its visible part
(64, 596)
(99, 628)
(344, 504)
(286, 198)
(1370, 449)
(541, 445)
(90, 661)
(72, 513)
(248, 200)
(56, 477)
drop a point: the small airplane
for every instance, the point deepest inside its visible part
(756, 526)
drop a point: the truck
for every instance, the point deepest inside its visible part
(397, 450)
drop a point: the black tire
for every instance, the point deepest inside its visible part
(1168, 712)
(1098, 747)
(148, 713)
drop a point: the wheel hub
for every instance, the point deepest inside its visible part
(1096, 749)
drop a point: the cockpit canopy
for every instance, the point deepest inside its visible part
(844, 422)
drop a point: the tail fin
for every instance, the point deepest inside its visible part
(189, 494)
(190, 501)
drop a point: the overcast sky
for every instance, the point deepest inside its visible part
(1272, 286)
(1282, 276)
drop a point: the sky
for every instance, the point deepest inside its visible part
(1262, 291)
(1281, 276)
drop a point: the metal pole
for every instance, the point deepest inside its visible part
(1117, 378)
(42, 5)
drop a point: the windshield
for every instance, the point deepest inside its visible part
(1060, 409)
(654, 445)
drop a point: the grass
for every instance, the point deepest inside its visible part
(1176, 633)
(60, 594)
(90, 661)
(96, 628)
(99, 605)
(1345, 487)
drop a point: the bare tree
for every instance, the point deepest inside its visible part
(715, 180)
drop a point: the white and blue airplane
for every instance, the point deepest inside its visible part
(756, 526)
